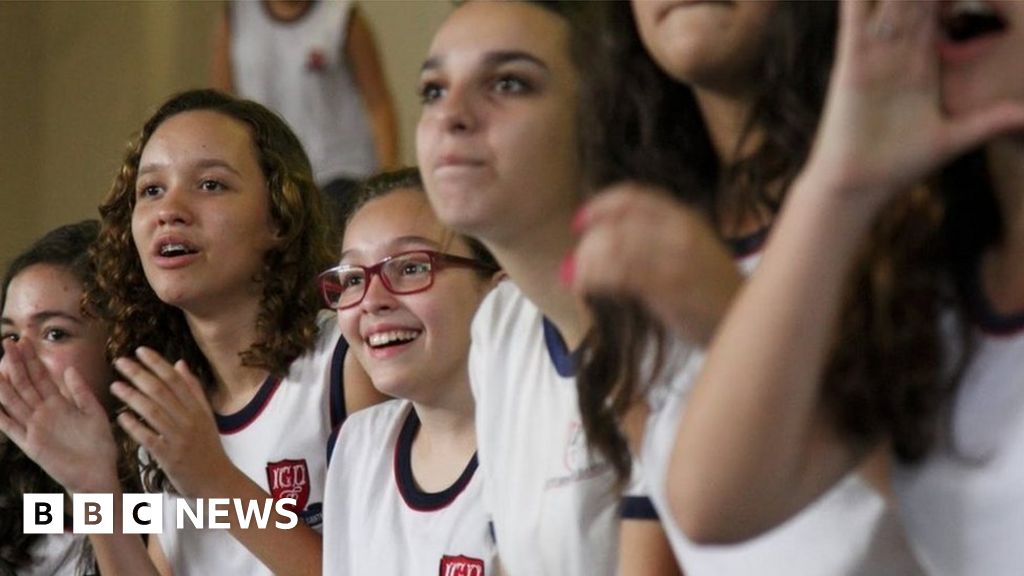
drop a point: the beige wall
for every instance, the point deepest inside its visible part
(77, 78)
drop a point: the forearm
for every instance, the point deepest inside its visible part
(119, 553)
(754, 445)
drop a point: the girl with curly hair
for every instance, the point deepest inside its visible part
(212, 237)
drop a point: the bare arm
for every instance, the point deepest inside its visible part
(220, 57)
(644, 550)
(361, 52)
(755, 445)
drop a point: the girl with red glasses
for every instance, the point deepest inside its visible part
(406, 291)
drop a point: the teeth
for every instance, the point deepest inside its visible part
(385, 338)
(173, 248)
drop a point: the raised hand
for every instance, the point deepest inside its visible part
(637, 242)
(57, 421)
(177, 426)
(884, 128)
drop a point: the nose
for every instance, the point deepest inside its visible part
(458, 111)
(173, 208)
(377, 298)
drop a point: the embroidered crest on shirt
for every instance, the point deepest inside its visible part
(289, 479)
(461, 566)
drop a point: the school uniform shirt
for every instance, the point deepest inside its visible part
(553, 504)
(850, 530)
(380, 522)
(963, 507)
(278, 441)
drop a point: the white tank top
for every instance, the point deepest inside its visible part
(299, 70)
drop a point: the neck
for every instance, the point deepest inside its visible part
(446, 439)
(1003, 266)
(533, 262)
(726, 116)
(222, 336)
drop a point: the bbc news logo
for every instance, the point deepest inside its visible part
(144, 513)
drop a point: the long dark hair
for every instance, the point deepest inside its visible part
(65, 247)
(642, 125)
(893, 371)
(286, 325)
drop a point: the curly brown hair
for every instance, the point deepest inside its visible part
(286, 324)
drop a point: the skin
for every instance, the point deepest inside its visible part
(883, 131)
(43, 307)
(496, 144)
(432, 370)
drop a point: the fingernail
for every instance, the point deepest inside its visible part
(567, 271)
(579, 220)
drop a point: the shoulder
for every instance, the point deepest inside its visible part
(328, 348)
(377, 418)
(503, 310)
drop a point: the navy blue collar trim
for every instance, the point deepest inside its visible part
(988, 319)
(565, 362)
(238, 421)
(744, 246)
(337, 367)
(414, 497)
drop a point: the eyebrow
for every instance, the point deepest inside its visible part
(491, 59)
(200, 164)
(44, 316)
(402, 242)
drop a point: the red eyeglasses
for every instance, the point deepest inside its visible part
(406, 273)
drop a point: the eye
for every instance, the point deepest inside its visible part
(10, 336)
(430, 92)
(352, 280)
(149, 191)
(55, 335)
(414, 268)
(512, 84)
(212, 185)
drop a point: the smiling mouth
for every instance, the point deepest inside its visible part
(392, 338)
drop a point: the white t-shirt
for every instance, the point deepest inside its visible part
(380, 522)
(850, 530)
(964, 506)
(299, 70)
(553, 505)
(279, 441)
